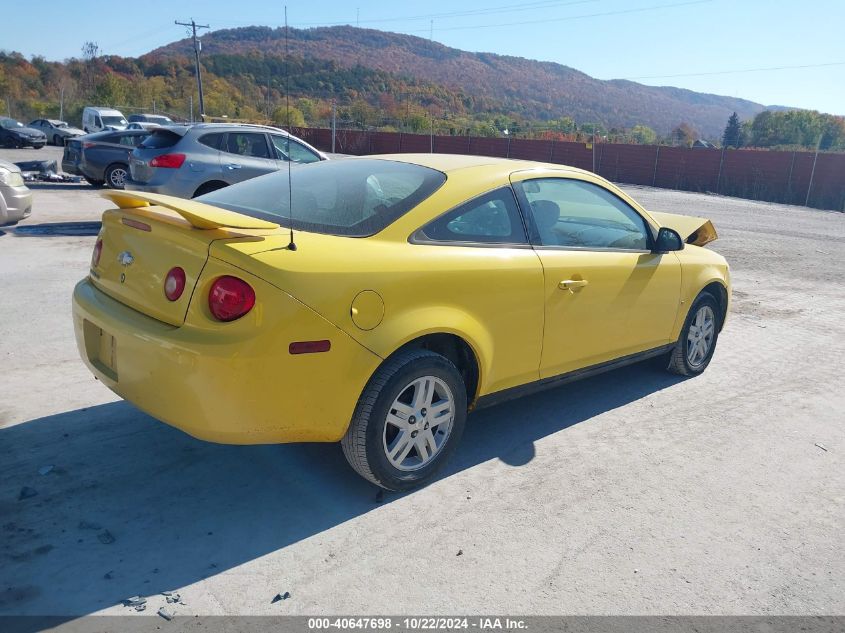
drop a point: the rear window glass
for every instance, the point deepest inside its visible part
(354, 197)
(211, 140)
(160, 139)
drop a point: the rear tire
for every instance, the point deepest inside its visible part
(116, 175)
(695, 346)
(408, 420)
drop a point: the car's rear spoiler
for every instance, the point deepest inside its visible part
(697, 231)
(199, 214)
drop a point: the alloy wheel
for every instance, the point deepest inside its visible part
(418, 423)
(702, 332)
(117, 177)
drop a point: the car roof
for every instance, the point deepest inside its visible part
(104, 110)
(448, 163)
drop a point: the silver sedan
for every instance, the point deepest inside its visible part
(15, 196)
(55, 130)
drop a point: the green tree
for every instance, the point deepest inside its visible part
(644, 135)
(732, 136)
(288, 117)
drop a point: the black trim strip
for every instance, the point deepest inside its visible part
(512, 393)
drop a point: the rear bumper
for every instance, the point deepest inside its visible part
(70, 167)
(231, 383)
(15, 203)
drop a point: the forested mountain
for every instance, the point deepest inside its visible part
(376, 80)
(523, 87)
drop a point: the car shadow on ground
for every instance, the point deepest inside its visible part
(50, 229)
(36, 185)
(132, 506)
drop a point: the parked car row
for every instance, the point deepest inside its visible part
(183, 160)
(40, 132)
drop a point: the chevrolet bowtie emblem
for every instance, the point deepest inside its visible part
(125, 258)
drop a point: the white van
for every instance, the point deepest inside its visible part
(100, 119)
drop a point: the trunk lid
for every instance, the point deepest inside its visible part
(151, 234)
(158, 143)
(696, 231)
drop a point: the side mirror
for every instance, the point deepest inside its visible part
(668, 240)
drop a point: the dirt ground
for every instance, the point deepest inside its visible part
(630, 493)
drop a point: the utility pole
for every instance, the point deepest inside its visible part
(813, 172)
(334, 123)
(197, 48)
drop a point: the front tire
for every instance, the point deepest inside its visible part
(408, 420)
(57, 140)
(695, 346)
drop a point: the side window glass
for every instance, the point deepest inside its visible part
(575, 213)
(247, 144)
(492, 218)
(298, 152)
(211, 140)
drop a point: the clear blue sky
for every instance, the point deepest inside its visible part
(685, 43)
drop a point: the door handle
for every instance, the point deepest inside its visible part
(571, 284)
(233, 166)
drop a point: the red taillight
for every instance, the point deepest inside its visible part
(98, 250)
(174, 283)
(170, 161)
(230, 298)
(88, 144)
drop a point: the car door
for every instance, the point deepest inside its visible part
(607, 295)
(488, 269)
(246, 155)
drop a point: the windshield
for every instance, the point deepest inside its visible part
(113, 120)
(10, 123)
(59, 123)
(354, 197)
(161, 120)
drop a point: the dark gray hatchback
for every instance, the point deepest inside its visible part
(102, 157)
(190, 160)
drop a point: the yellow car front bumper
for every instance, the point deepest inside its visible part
(233, 383)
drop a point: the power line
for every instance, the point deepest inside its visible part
(508, 8)
(731, 72)
(578, 17)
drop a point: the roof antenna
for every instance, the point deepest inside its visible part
(292, 245)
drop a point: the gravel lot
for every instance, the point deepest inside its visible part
(630, 493)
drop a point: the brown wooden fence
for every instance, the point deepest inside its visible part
(757, 175)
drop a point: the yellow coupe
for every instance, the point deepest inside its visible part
(375, 301)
